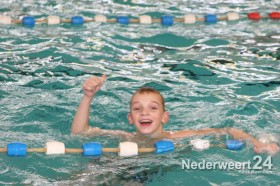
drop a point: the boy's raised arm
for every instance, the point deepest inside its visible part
(81, 119)
(259, 147)
(200, 132)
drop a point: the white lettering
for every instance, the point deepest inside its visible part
(184, 164)
(201, 165)
(209, 165)
(194, 165)
(229, 165)
(238, 165)
(222, 165)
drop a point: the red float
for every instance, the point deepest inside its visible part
(274, 15)
(254, 16)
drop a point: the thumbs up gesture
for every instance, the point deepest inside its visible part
(92, 85)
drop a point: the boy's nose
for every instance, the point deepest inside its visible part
(144, 112)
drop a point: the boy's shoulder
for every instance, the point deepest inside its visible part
(96, 131)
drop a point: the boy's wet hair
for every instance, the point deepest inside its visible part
(149, 90)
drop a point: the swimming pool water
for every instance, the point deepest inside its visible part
(218, 75)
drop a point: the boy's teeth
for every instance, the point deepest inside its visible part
(146, 121)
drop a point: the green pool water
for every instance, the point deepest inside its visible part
(219, 75)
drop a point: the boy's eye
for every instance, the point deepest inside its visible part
(154, 108)
(136, 108)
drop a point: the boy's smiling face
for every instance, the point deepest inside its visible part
(147, 114)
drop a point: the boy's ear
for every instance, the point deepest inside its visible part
(129, 118)
(165, 117)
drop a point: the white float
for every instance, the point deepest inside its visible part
(53, 20)
(100, 18)
(55, 147)
(233, 16)
(200, 144)
(128, 149)
(145, 19)
(6, 20)
(189, 19)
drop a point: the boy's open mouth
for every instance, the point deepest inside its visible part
(146, 122)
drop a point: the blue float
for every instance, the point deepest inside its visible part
(167, 20)
(211, 18)
(77, 20)
(164, 146)
(92, 149)
(28, 21)
(234, 144)
(16, 149)
(123, 20)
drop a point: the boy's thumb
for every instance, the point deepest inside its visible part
(103, 78)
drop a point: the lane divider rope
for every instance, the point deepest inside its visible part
(125, 149)
(143, 19)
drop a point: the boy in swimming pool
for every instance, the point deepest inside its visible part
(147, 114)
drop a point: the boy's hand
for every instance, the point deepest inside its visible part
(92, 85)
(271, 148)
